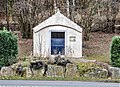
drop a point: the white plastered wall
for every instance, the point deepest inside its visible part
(43, 37)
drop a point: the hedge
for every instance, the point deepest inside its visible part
(115, 51)
(8, 48)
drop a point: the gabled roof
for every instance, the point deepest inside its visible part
(57, 19)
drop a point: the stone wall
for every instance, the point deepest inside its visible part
(7, 71)
(55, 71)
(102, 70)
(115, 72)
(71, 71)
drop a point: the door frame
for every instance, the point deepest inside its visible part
(50, 39)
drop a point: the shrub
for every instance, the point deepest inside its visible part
(84, 68)
(115, 51)
(92, 70)
(8, 48)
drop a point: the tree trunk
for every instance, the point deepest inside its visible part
(7, 15)
(73, 8)
(68, 9)
(55, 6)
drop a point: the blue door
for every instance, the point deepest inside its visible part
(57, 43)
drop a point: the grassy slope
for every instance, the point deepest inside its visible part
(98, 47)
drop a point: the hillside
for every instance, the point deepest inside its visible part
(98, 47)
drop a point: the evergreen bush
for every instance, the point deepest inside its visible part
(115, 51)
(8, 48)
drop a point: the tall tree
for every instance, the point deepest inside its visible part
(68, 8)
(55, 6)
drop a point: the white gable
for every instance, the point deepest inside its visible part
(57, 19)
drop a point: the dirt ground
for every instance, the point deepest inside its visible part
(99, 44)
(25, 47)
(98, 47)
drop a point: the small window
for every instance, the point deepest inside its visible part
(72, 38)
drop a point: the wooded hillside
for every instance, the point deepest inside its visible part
(92, 15)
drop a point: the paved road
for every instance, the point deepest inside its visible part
(30, 83)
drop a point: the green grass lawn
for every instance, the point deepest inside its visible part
(61, 79)
(100, 58)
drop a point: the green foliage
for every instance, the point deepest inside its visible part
(8, 48)
(84, 68)
(59, 79)
(115, 51)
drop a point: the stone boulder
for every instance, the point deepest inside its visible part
(34, 73)
(55, 71)
(97, 73)
(71, 71)
(38, 73)
(115, 72)
(7, 71)
(51, 60)
(29, 73)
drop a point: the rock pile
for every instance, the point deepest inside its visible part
(61, 67)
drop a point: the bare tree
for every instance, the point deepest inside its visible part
(31, 12)
(55, 6)
(68, 8)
